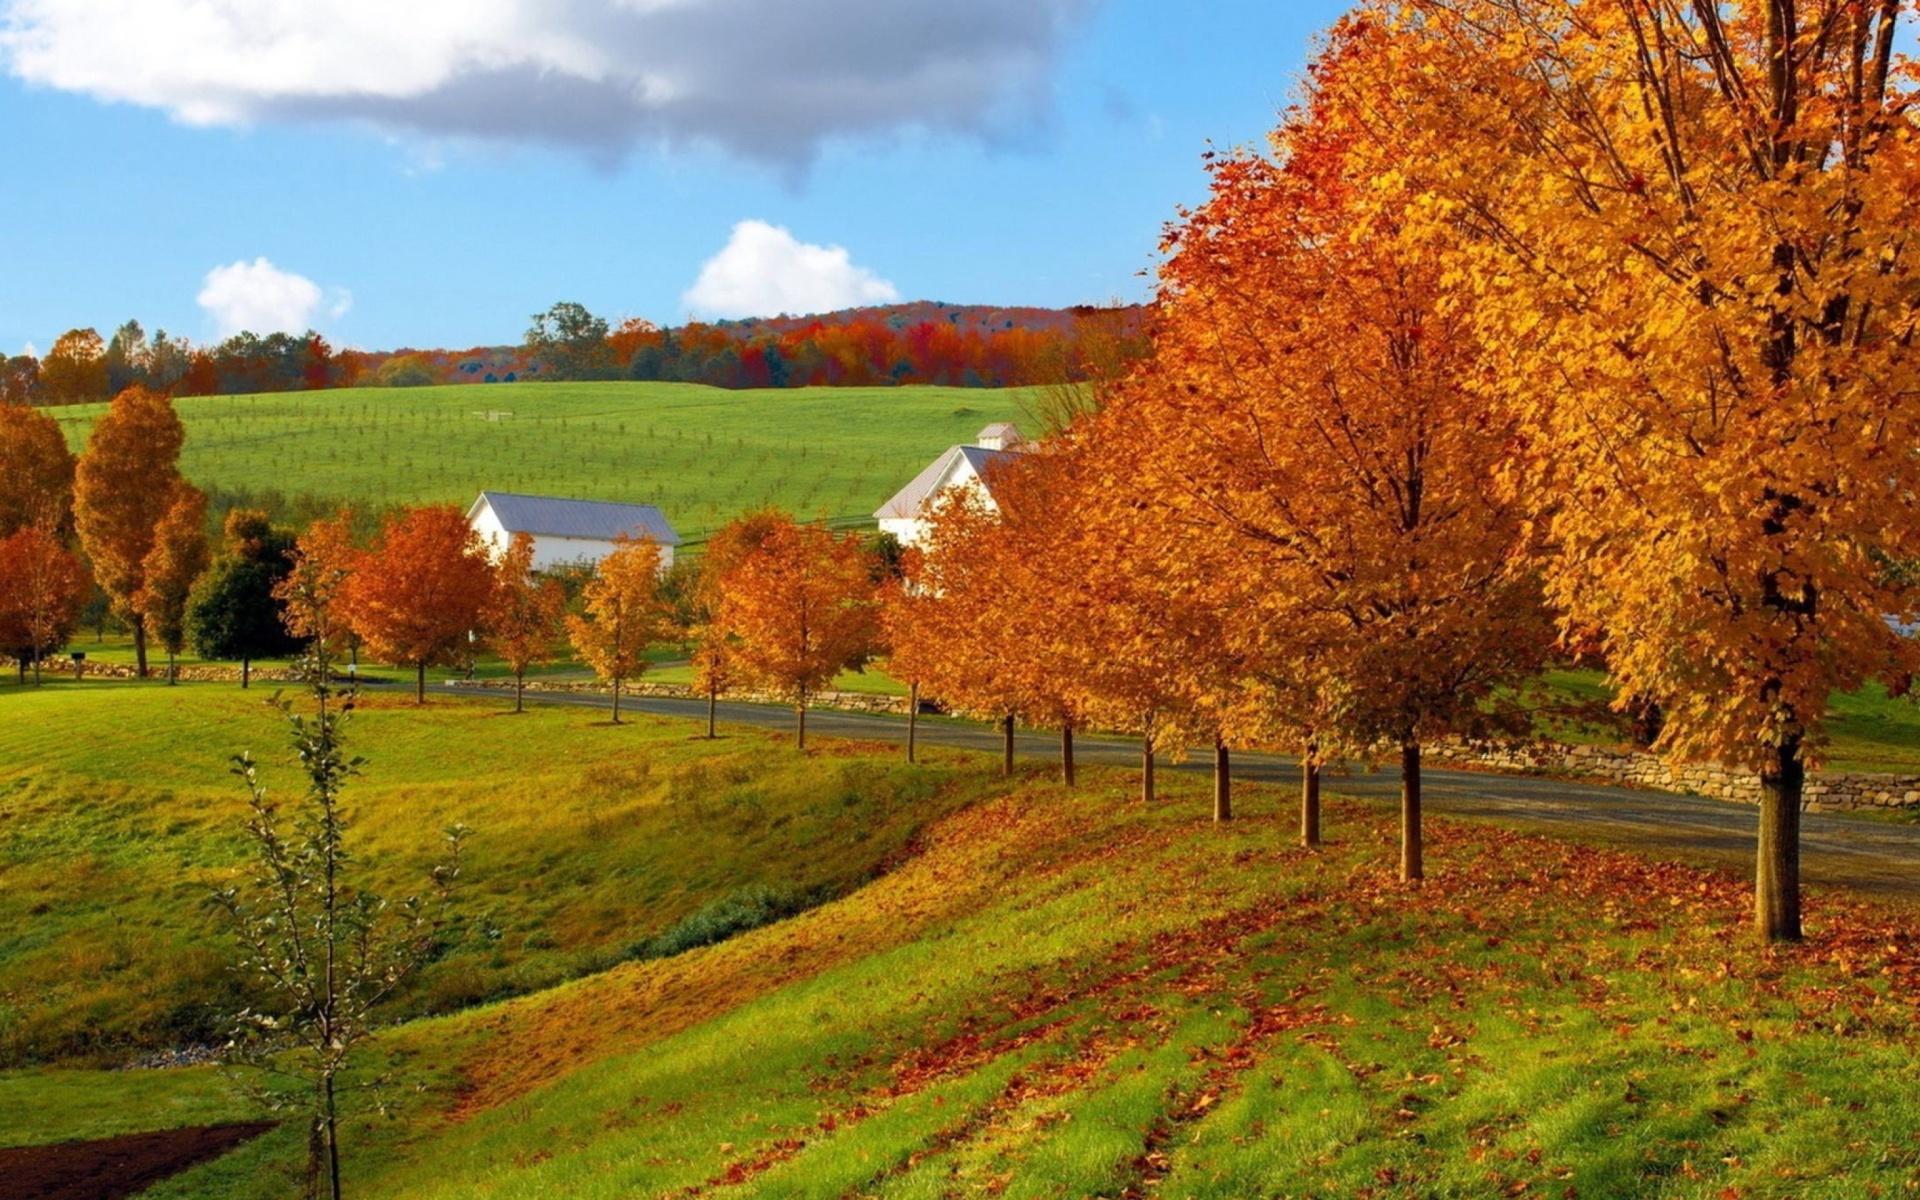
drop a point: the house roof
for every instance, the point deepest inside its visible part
(1000, 429)
(957, 464)
(594, 520)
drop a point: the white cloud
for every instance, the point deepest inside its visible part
(767, 79)
(764, 271)
(258, 297)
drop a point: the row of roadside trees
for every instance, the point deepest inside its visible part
(1585, 323)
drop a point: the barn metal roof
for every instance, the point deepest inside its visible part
(596, 520)
(944, 472)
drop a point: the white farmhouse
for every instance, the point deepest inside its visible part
(567, 532)
(966, 467)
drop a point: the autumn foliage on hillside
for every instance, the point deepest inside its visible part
(922, 343)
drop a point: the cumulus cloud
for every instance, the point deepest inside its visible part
(764, 271)
(766, 79)
(259, 297)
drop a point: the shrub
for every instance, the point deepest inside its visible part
(734, 913)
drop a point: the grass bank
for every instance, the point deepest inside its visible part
(118, 817)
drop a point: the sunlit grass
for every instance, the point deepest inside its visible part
(1065, 995)
(590, 839)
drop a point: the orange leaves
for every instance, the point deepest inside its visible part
(418, 593)
(623, 612)
(36, 471)
(123, 485)
(526, 611)
(314, 591)
(1313, 422)
(798, 605)
(43, 587)
(178, 556)
(1711, 377)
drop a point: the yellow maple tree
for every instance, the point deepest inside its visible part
(1689, 228)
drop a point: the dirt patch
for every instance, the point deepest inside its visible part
(115, 1167)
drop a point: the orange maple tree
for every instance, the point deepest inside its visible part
(1317, 411)
(123, 484)
(938, 623)
(36, 471)
(418, 594)
(178, 557)
(526, 614)
(1690, 228)
(315, 591)
(43, 588)
(622, 613)
(796, 606)
(995, 608)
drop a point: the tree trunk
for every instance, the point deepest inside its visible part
(519, 691)
(333, 1143)
(173, 670)
(1146, 772)
(1222, 783)
(713, 702)
(420, 687)
(1066, 753)
(140, 647)
(913, 717)
(1776, 891)
(246, 673)
(1412, 864)
(311, 1187)
(1006, 733)
(616, 699)
(802, 710)
(1310, 800)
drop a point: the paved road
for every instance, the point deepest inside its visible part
(1851, 851)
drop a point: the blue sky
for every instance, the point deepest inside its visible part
(410, 186)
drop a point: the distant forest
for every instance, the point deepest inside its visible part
(918, 343)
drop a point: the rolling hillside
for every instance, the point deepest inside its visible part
(702, 454)
(1047, 993)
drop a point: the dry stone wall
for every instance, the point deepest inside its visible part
(1833, 790)
(1826, 790)
(850, 701)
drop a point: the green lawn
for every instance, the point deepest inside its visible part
(589, 839)
(1062, 994)
(702, 454)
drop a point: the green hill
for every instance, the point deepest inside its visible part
(702, 454)
(1046, 993)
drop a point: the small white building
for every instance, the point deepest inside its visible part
(966, 467)
(568, 532)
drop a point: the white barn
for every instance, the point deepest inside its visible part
(567, 532)
(905, 516)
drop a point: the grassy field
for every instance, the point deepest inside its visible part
(702, 454)
(1048, 993)
(590, 839)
